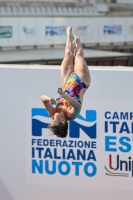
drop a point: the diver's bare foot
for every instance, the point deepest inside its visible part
(69, 32)
(77, 40)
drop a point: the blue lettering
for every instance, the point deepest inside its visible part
(77, 164)
(39, 152)
(33, 152)
(80, 144)
(94, 169)
(70, 143)
(37, 166)
(48, 153)
(124, 128)
(107, 115)
(63, 153)
(82, 155)
(91, 155)
(45, 142)
(93, 145)
(55, 154)
(124, 115)
(67, 168)
(58, 143)
(52, 143)
(63, 167)
(108, 143)
(53, 167)
(106, 126)
(64, 143)
(33, 141)
(39, 142)
(115, 116)
(125, 144)
(114, 126)
(87, 144)
(121, 115)
(131, 116)
(70, 155)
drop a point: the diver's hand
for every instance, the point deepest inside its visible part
(60, 91)
(52, 101)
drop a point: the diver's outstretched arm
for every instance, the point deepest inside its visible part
(47, 102)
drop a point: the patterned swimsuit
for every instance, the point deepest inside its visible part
(72, 88)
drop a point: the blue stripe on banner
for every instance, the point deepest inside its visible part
(90, 116)
(40, 112)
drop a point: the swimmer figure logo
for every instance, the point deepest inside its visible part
(41, 119)
(89, 126)
(74, 154)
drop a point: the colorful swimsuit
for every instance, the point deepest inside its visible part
(72, 88)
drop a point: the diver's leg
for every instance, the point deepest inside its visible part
(67, 65)
(80, 66)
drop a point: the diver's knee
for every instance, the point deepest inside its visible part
(69, 53)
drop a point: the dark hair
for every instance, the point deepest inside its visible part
(59, 129)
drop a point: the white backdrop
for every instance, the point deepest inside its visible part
(129, 36)
(109, 164)
(86, 29)
(104, 30)
(27, 31)
(112, 30)
(120, 30)
(41, 24)
(13, 39)
(51, 31)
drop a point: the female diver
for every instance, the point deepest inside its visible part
(75, 78)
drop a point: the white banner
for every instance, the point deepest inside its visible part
(9, 32)
(27, 31)
(105, 27)
(31, 31)
(1, 32)
(129, 29)
(60, 25)
(98, 147)
(46, 32)
(78, 27)
(119, 30)
(94, 161)
(86, 29)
